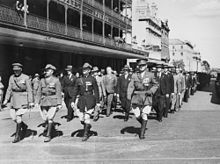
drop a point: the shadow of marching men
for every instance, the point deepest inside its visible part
(54, 132)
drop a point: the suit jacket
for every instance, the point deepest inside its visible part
(170, 84)
(68, 85)
(110, 83)
(164, 86)
(122, 85)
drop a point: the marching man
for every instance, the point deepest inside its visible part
(20, 93)
(140, 91)
(87, 89)
(50, 99)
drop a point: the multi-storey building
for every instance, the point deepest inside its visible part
(147, 27)
(64, 32)
(165, 53)
(184, 50)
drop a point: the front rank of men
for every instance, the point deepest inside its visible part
(85, 95)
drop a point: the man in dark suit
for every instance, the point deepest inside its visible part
(162, 93)
(122, 88)
(170, 89)
(68, 85)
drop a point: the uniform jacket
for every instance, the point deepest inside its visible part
(35, 85)
(49, 92)
(68, 85)
(175, 77)
(110, 83)
(136, 88)
(87, 89)
(20, 91)
(179, 83)
(122, 85)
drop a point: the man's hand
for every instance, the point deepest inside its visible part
(5, 102)
(148, 93)
(31, 105)
(72, 105)
(59, 107)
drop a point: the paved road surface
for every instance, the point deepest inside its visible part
(189, 136)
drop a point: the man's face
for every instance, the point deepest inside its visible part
(48, 72)
(86, 71)
(95, 73)
(17, 72)
(69, 72)
(108, 70)
(165, 69)
(142, 67)
(177, 71)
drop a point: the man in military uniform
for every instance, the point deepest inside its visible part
(140, 91)
(87, 89)
(68, 85)
(122, 88)
(50, 99)
(20, 93)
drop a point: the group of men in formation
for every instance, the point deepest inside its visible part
(88, 94)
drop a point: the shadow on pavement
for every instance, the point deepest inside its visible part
(131, 130)
(55, 132)
(120, 117)
(79, 133)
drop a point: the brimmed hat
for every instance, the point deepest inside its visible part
(86, 66)
(126, 68)
(69, 68)
(36, 75)
(142, 62)
(95, 69)
(50, 66)
(17, 66)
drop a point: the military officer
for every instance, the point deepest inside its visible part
(20, 93)
(122, 88)
(49, 98)
(140, 91)
(87, 88)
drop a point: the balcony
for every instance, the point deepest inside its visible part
(10, 17)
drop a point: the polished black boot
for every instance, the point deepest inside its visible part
(139, 119)
(87, 128)
(24, 128)
(17, 134)
(126, 116)
(143, 128)
(48, 135)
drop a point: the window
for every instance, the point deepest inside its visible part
(181, 53)
(181, 47)
(173, 54)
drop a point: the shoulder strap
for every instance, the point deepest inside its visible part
(17, 84)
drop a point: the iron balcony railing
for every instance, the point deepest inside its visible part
(9, 16)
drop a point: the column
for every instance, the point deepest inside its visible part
(92, 28)
(25, 13)
(103, 22)
(48, 7)
(81, 20)
(66, 8)
(119, 6)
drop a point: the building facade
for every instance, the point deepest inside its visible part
(165, 52)
(147, 28)
(64, 32)
(184, 50)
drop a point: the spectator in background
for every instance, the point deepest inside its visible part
(35, 84)
(1, 92)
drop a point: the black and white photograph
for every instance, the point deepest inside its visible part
(109, 81)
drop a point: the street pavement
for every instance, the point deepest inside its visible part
(191, 135)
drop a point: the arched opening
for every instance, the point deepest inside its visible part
(97, 27)
(56, 12)
(73, 18)
(87, 23)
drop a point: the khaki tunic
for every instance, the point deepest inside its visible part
(139, 85)
(19, 91)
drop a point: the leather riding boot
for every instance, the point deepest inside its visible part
(24, 127)
(143, 128)
(48, 135)
(126, 116)
(139, 119)
(17, 134)
(46, 127)
(87, 128)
